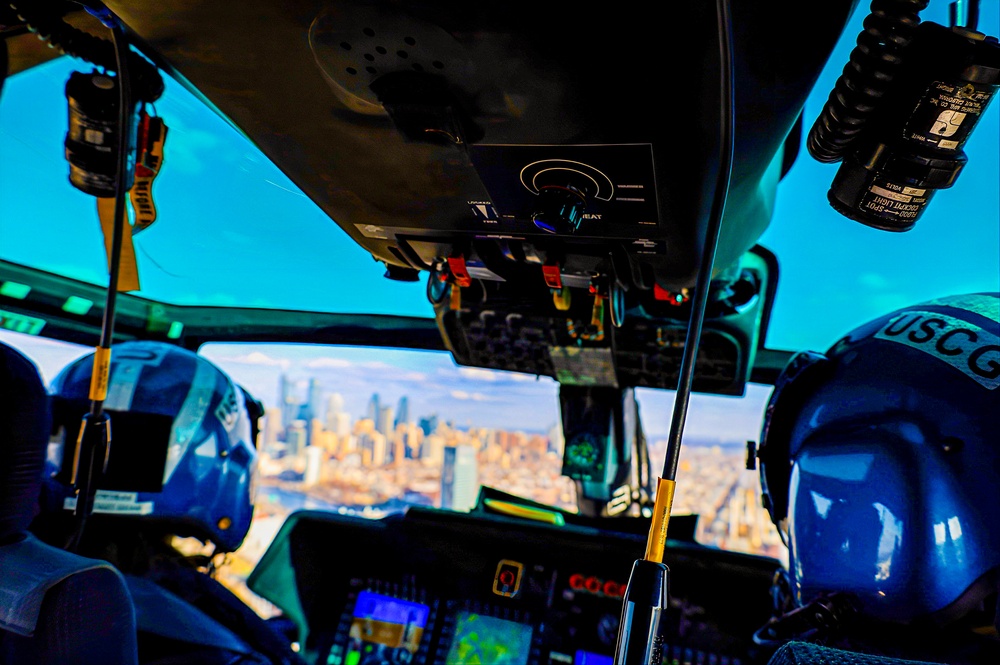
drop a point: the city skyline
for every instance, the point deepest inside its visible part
(434, 383)
(469, 396)
(352, 465)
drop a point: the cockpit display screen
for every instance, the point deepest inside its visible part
(488, 641)
(383, 626)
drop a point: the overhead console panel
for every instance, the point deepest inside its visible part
(439, 130)
(597, 334)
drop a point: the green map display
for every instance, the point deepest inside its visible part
(486, 640)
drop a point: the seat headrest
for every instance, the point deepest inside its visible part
(24, 435)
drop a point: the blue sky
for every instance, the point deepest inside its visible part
(835, 273)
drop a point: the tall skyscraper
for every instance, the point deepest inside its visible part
(429, 424)
(402, 412)
(314, 465)
(315, 399)
(309, 411)
(272, 426)
(373, 449)
(334, 406)
(296, 437)
(341, 426)
(289, 402)
(384, 421)
(459, 478)
(374, 409)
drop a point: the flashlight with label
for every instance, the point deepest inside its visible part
(93, 134)
(912, 145)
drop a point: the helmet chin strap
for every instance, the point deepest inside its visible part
(830, 617)
(820, 618)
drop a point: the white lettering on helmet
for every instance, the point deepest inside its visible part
(968, 348)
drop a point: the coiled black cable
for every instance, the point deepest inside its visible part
(873, 64)
(147, 84)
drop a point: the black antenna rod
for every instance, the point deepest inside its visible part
(640, 639)
(93, 445)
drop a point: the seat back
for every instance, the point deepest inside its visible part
(806, 653)
(55, 606)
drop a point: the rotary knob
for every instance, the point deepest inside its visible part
(559, 209)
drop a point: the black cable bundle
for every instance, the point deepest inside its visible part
(868, 74)
(41, 19)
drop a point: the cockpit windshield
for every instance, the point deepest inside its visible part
(449, 336)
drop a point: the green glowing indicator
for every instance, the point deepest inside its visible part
(175, 330)
(14, 290)
(28, 325)
(76, 305)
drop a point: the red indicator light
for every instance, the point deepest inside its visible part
(506, 578)
(593, 585)
(613, 589)
(576, 581)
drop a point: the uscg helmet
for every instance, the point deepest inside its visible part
(182, 460)
(880, 463)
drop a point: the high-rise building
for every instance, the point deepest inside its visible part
(429, 424)
(308, 411)
(272, 426)
(289, 402)
(314, 398)
(341, 424)
(402, 412)
(315, 457)
(296, 437)
(373, 448)
(459, 478)
(413, 439)
(374, 408)
(383, 423)
(334, 407)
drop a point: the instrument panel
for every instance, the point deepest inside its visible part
(444, 588)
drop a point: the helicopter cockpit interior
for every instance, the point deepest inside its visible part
(592, 196)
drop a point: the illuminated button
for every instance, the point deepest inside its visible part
(459, 272)
(552, 275)
(593, 585)
(577, 581)
(507, 580)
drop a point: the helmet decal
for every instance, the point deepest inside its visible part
(189, 418)
(968, 348)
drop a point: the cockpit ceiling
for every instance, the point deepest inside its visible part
(417, 123)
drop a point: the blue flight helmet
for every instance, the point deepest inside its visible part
(880, 463)
(182, 450)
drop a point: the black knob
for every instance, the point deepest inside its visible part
(560, 209)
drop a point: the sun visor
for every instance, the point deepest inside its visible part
(138, 446)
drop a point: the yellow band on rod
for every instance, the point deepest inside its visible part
(657, 541)
(99, 375)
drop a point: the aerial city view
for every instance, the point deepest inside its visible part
(374, 453)
(369, 431)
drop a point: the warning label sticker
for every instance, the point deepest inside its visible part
(117, 503)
